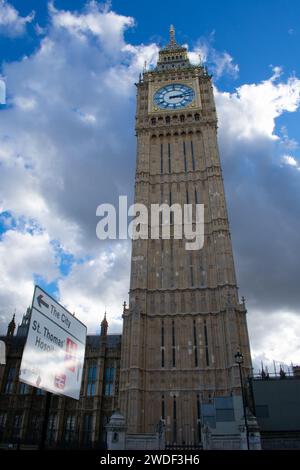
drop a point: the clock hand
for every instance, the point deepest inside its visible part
(180, 96)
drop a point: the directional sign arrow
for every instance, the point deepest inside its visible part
(41, 301)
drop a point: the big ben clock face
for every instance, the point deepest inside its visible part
(173, 96)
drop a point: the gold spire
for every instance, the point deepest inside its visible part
(172, 35)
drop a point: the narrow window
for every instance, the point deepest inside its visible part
(162, 264)
(202, 276)
(192, 276)
(173, 345)
(169, 156)
(170, 204)
(199, 418)
(192, 153)
(195, 343)
(189, 212)
(92, 378)
(23, 388)
(10, 380)
(161, 158)
(52, 428)
(161, 201)
(184, 157)
(191, 270)
(69, 434)
(162, 407)
(109, 381)
(196, 197)
(3, 419)
(174, 420)
(17, 425)
(172, 263)
(162, 344)
(87, 430)
(206, 344)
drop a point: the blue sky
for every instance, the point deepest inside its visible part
(258, 33)
(67, 144)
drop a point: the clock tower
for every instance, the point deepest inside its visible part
(184, 323)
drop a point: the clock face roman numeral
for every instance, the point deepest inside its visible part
(174, 96)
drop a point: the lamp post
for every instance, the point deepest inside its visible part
(239, 359)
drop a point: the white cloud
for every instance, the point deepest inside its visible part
(275, 337)
(97, 20)
(25, 103)
(291, 161)
(11, 23)
(22, 254)
(97, 285)
(251, 111)
(219, 63)
(287, 143)
(225, 65)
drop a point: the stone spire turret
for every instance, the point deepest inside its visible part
(24, 326)
(172, 56)
(11, 326)
(172, 36)
(104, 326)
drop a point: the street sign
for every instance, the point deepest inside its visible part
(53, 356)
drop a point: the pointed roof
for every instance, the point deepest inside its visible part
(172, 55)
(104, 326)
(104, 321)
(11, 326)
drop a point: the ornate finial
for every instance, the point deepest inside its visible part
(200, 60)
(104, 325)
(145, 66)
(124, 306)
(243, 300)
(172, 35)
(11, 326)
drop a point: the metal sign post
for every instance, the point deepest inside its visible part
(45, 421)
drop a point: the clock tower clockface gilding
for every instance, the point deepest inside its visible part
(173, 96)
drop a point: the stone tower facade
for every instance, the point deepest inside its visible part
(184, 322)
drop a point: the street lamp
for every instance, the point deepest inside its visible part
(239, 359)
